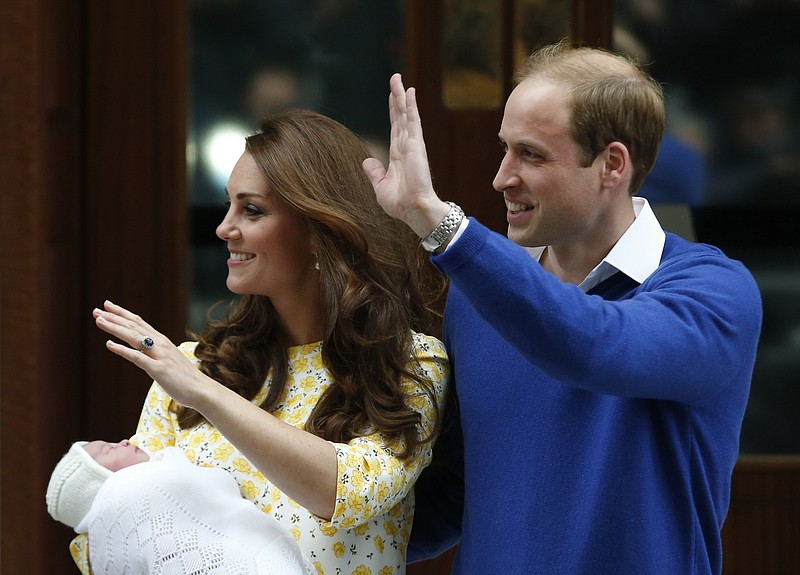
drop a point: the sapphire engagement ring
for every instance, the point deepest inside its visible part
(147, 344)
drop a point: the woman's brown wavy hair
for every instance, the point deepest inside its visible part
(376, 288)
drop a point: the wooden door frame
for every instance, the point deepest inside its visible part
(92, 141)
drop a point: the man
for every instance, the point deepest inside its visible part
(602, 367)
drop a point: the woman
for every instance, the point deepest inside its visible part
(319, 393)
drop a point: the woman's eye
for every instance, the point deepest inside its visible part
(252, 210)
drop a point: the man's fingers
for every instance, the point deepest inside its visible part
(374, 170)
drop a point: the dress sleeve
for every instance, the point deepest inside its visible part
(79, 550)
(371, 479)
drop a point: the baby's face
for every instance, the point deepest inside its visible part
(115, 456)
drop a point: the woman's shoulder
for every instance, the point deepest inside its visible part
(187, 348)
(427, 344)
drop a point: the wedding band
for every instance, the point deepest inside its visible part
(147, 344)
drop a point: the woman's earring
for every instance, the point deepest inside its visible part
(316, 261)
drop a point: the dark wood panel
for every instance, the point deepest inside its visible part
(136, 230)
(762, 529)
(92, 131)
(39, 347)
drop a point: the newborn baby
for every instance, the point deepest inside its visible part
(161, 514)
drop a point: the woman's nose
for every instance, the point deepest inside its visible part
(226, 229)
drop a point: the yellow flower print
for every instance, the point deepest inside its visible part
(249, 490)
(300, 365)
(390, 528)
(328, 529)
(223, 452)
(338, 549)
(339, 510)
(258, 476)
(294, 400)
(316, 361)
(308, 383)
(318, 567)
(341, 489)
(361, 529)
(355, 502)
(196, 439)
(152, 401)
(267, 508)
(190, 454)
(357, 479)
(347, 522)
(386, 571)
(242, 465)
(307, 348)
(417, 402)
(295, 532)
(362, 570)
(276, 494)
(295, 418)
(395, 511)
(215, 436)
(379, 544)
(351, 460)
(157, 425)
(383, 492)
(154, 444)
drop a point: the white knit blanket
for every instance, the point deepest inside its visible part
(170, 517)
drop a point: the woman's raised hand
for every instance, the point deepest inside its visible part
(151, 351)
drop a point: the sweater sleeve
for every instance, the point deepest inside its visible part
(371, 479)
(684, 334)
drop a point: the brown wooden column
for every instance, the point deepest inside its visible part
(92, 129)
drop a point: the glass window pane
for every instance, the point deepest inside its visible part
(253, 58)
(472, 77)
(732, 151)
(538, 23)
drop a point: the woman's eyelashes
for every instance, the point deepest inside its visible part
(253, 211)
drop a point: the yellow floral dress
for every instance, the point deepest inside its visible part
(371, 524)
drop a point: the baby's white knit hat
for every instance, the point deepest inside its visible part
(73, 485)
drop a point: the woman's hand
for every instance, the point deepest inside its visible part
(151, 351)
(298, 463)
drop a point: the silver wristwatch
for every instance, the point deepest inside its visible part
(444, 230)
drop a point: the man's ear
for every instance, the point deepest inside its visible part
(617, 167)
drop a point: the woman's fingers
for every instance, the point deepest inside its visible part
(127, 327)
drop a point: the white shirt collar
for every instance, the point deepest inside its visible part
(636, 254)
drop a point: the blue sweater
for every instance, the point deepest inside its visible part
(600, 430)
